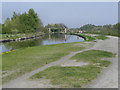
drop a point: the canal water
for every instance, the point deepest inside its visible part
(44, 40)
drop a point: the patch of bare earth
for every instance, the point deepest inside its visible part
(73, 63)
(6, 73)
(85, 44)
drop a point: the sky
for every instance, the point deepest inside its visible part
(72, 14)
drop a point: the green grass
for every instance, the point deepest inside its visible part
(105, 32)
(102, 37)
(77, 76)
(94, 56)
(68, 77)
(28, 59)
(90, 38)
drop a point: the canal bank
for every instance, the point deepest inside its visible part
(36, 55)
(43, 40)
(6, 38)
(25, 60)
(99, 45)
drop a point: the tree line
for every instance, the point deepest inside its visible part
(22, 23)
(58, 26)
(27, 23)
(105, 29)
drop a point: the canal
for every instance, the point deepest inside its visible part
(43, 40)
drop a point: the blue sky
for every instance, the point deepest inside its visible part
(73, 14)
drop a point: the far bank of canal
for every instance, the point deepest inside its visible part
(44, 40)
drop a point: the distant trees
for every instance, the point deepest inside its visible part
(87, 27)
(56, 26)
(22, 23)
(106, 29)
(0, 28)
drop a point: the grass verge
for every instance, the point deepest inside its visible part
(27, 59)
(89, 38)
(77, 76)
(94, 57)
(101, 37)
(68, 77)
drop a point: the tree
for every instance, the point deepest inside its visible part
(62, 25)
(87, 27)
(32, 20)
(23, 23)
(0, 28)
(14, 15)
(7, 21)
(56, 26)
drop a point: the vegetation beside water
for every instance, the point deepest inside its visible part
(92, 38)
(28, 22)
(77, 76)
(22, 23)
(88, 37)
(19, 35)
(112, 30)
(102, 37)
(27, 59)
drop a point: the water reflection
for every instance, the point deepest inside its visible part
(56, 39)
(4, 48)
(45, 40)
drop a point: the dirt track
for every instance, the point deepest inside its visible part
(107, 79)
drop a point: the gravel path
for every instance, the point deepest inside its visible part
(107, 79)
